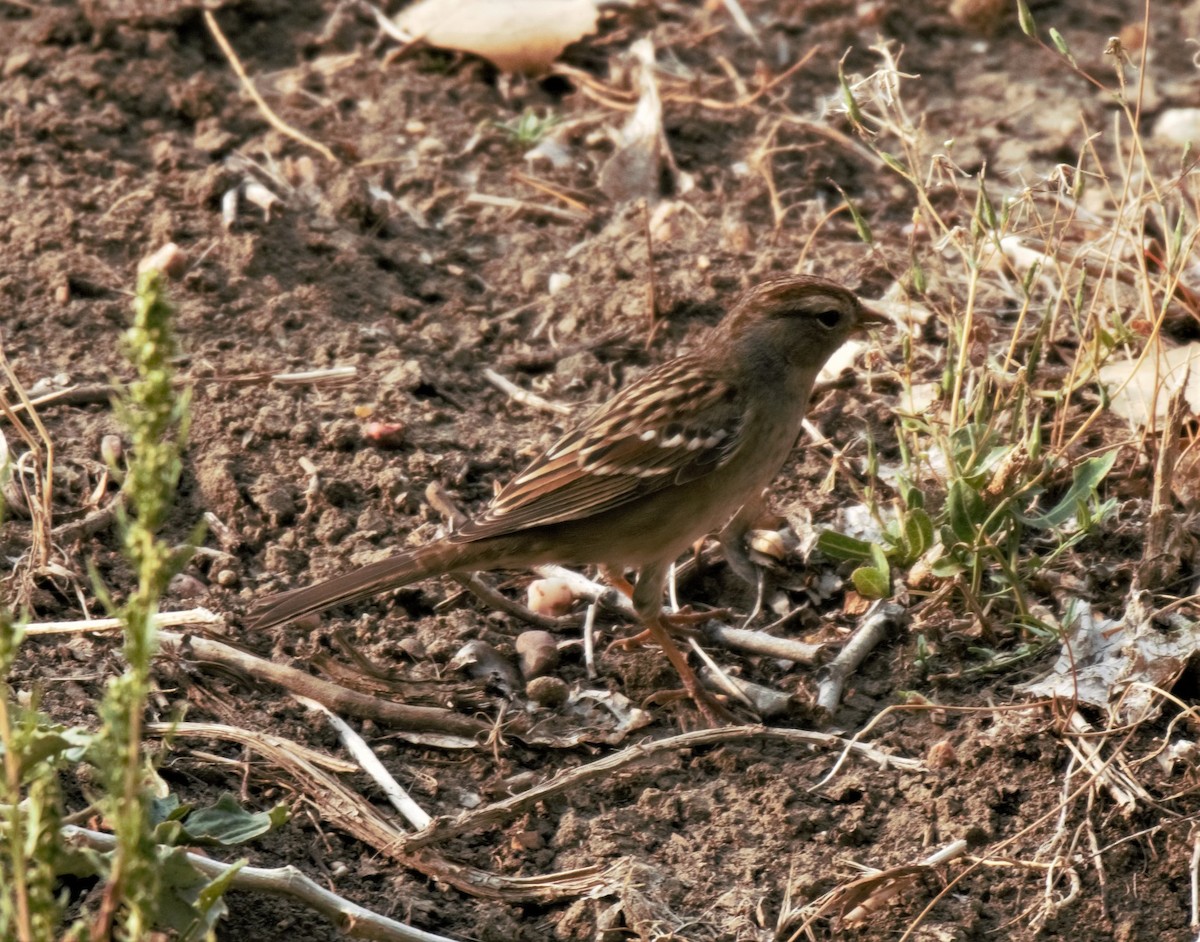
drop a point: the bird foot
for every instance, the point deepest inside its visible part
(679, 624)
(711, 707)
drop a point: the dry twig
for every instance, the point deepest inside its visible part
(350, 918)
(272, 119)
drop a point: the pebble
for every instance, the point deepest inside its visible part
(537, 652)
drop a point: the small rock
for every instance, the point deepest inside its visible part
(185, 586)
(112, 450)
(558, 281)
(538, 653)
(227, 578)
(483, 662)
(385, 434)
(1178, 126)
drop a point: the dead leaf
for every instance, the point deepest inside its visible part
(517, 35)
(1141, 391)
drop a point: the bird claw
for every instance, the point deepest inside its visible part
(711, 707)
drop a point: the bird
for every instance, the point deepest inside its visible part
(672, 457)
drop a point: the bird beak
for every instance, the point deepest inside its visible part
(868, 317)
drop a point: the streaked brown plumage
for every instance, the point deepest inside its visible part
(670, 458)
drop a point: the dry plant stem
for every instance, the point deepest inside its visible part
(502, 603)
(524, 396)
(1122, 786)
(101, 393)
(350, 812)
(90, 525)
(191, 617)
(537, 209)
(870, 634)
(334, 696)
(1087, 785)
(333, 376)
(265, 743)
(358, 748)
(350, 918)
(445, 828)
(759, 642)
(83, 395)
(1195, 925)
(272, 119)
(42, 509)
(1159, 565)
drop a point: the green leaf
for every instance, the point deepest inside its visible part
(841, 547)
(852, 109)
(1086, 478)
(917, 536)
(966, 511)
(1028, 27)
(1061, 45)
(227, 822)
(873, 581)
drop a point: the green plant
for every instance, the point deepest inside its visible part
(1003, 467)
(528, 128)
(148, 882)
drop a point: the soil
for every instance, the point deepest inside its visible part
(124, 127)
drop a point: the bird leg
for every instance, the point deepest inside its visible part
(676, 623)
(647, 602)
(714, 712)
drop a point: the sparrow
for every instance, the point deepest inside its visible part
(672, 457)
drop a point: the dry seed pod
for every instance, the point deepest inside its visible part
(547, 691)
(768, 543)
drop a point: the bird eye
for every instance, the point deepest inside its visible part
(829, 319)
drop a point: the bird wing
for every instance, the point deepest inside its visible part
(681, 421)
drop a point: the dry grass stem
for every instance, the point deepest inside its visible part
(524, 396)
(355, 921)
(444, 828)
(358, 748)
(272, 119)
(415, 719)
(194, 617)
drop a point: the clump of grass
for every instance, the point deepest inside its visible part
(1002, 478)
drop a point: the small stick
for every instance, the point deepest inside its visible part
(502, 603)
(869, 635)
(1196, 882)
(90, 525)
(524, 396)
(583, 587)
(335, 696)
(194, 616)
(444, 828)
(366, 758)
(589, 640)
(272, 119)
(507, 202)
(719, 677)
(352, 919)
(759, 642)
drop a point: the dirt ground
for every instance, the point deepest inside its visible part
(124, 127)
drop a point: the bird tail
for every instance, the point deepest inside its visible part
(391, 573)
